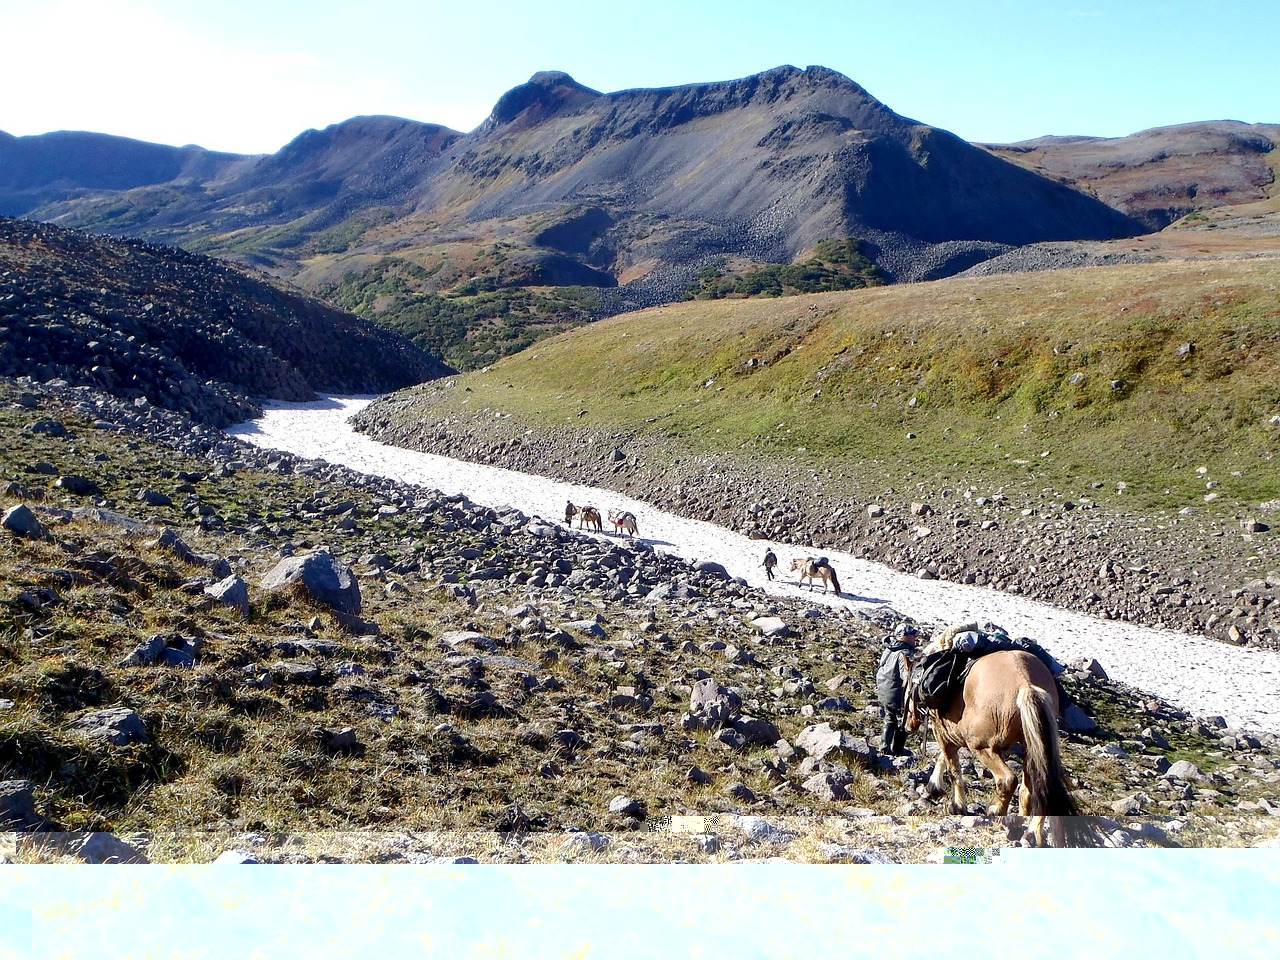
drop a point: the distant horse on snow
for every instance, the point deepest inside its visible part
(587, 517)
(812, 569)
(623, 521)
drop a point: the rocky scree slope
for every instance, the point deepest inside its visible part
(1027, 540)
(503, 680)
(181, 331)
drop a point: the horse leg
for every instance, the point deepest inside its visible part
(1006, 780)
(949, 759)
(937, 784)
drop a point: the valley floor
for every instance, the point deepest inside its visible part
(1213, 575)
(1205, 677)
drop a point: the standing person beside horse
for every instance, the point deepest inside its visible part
(770, 561)
(892, 674)
(588, 516)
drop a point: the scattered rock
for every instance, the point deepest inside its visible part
(116, 725)
(231, 592)
(21, 521)
(17, 807)
(325, 579)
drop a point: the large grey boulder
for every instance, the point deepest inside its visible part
(100, 848)
(325, 579)
(232, 592)
(824, 742)
(17, 807)
(21, 521)
(1075, 720)
(713, 701)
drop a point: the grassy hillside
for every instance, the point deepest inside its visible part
(1102, 379)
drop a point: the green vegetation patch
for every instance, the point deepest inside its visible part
(834, 265)
(473, 325)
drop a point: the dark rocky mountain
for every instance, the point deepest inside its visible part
(568, 204)
(179, 330)
(1160, 175)
(629, 186)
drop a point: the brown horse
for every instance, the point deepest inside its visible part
(812, 569)
(624, 521)
(1009, 697)
(589, 517)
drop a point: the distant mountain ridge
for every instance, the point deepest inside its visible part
(765, 166)
(1164, 173)
(476, 242)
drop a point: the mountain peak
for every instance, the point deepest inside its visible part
(547, 92)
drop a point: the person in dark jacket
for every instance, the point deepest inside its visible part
(891, 686)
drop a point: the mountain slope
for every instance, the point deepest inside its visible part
(1055, 408)
(36, 172)
(628, 193)
(1165, 173)
(183, 331)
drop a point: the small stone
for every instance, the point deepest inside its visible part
(627, 806)
(116, 725)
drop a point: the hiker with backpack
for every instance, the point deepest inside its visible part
(891, 686)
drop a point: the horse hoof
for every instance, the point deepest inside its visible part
(955, 809)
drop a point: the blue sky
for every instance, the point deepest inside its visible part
(249, 75)
(1186, 903)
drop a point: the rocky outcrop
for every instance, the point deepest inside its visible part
(167, 328)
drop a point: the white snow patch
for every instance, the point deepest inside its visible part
(1201, 676)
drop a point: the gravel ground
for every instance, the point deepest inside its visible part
(1181, 571)
(1199, 675)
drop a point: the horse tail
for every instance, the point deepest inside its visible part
(1046, 777)
(835, 581)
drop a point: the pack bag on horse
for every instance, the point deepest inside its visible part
(943, 664)
(816, 568)
(1006, 697)
(623, 521)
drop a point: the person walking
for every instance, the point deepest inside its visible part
(891, 686)
(770, 561)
